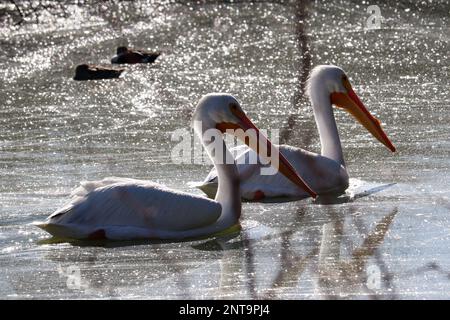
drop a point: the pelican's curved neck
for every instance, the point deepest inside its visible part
(228, 193)
(326, 124)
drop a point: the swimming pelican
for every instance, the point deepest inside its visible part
(326, 173)
(120, 209)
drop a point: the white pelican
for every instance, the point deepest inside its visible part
(325, 173)
(121, 209)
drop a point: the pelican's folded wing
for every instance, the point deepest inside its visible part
(136, 203)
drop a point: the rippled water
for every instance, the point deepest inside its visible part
(389, 242)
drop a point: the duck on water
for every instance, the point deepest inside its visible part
(126, 55)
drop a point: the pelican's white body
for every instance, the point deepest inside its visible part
(322, 174)
(122, 209)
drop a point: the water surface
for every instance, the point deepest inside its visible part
(54, 132)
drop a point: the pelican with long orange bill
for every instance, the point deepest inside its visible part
(123, 209)
(326, 172)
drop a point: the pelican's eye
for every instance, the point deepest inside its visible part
(233, 107)
(346, 82)
(236, 110)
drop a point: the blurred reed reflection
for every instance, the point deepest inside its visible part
(342, 255)
(342, 275)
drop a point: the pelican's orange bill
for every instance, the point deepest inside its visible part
(351, 102)
(284, 165)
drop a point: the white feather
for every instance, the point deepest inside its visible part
(322, 174)
(137, 204)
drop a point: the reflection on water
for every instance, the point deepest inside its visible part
(387, 237)
(312, 259)
(340, 277)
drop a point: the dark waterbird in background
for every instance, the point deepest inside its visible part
(132, 56)
(94, 72)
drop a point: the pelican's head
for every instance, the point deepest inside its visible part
(223, 112)
(337, 85)
(220, 111)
